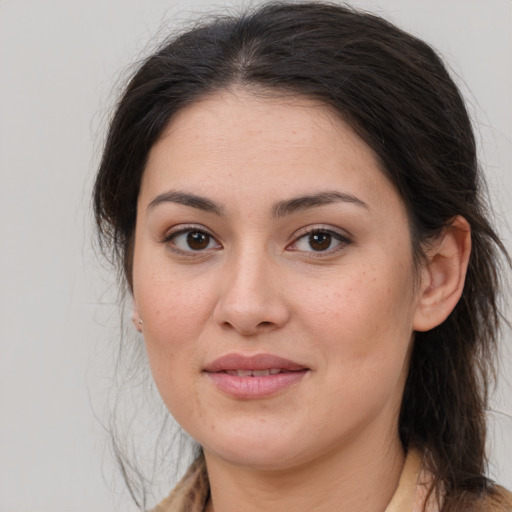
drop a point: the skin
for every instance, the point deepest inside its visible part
(347, 313)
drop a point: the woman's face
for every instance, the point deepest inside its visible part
(274, 277)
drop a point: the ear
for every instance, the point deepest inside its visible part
(443, 276)
(136, 320)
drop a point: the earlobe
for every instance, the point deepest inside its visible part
(444, 275)
(136, 320)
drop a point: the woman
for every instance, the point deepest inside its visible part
(295, 200)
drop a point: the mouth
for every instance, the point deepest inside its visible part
(257, 376)
(255, 373)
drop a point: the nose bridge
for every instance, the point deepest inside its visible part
(250, 298)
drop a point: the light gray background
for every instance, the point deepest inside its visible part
(60, 62)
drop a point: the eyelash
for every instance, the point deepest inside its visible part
(309, 231)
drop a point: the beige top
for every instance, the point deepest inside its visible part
(192, 492)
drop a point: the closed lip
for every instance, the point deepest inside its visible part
(233, 362)
(259, 376)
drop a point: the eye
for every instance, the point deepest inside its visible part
(320, 241)
(191, 240)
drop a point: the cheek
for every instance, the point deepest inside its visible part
(362, 303)
(365, 334)
(174, 313)
(363, 320)
(173, 318)
(171, 313)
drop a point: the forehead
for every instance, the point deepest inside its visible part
(236, 142)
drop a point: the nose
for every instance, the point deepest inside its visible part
(251, 296)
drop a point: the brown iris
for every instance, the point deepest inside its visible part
(320, 241)
(197, 240)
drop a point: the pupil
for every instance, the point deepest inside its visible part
(197, 241)
(320, 241)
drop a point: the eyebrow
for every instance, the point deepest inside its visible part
(280, 209)
(310, 201)
(186, 199)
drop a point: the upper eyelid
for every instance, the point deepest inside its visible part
(306, 230)
(183, 228)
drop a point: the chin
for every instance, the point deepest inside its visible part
(258, 458)
(256, 450)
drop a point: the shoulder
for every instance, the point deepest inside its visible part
(498, 500)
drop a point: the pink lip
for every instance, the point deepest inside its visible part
(255, 362)
(245, 387)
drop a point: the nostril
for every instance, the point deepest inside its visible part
(250, 315)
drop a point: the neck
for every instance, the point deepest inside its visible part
(358, 478)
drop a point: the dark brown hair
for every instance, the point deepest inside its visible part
(395, 92)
